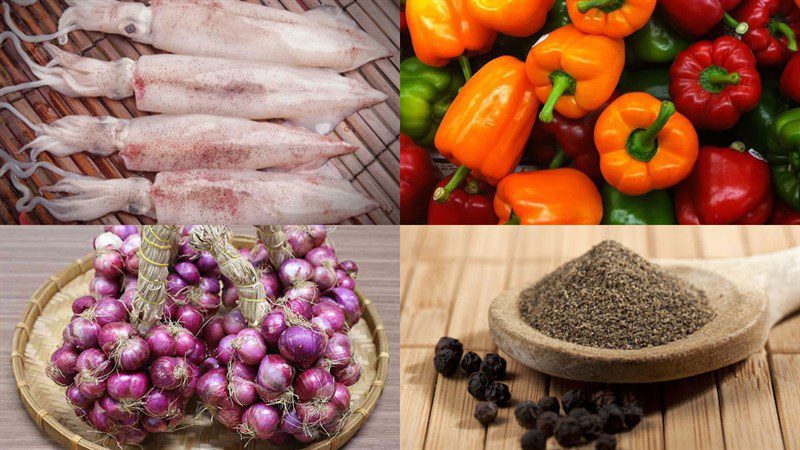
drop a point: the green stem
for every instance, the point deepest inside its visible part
(559, 159)
(727, 78)
(513, 219)
(466, 68)
(786, 30)
(472, 187)
(562, 82)
(603, 5)
(738, 27)
(738, 146)
(642, 143)
(716, 79)
(441, 194)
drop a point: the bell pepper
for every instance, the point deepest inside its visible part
(713, 83)
(559, 196)
(418, 176)
(784, 157)
(644, 144)
(519, 47)
(426, 94)
(754, 127)
(486, 128)
(573, 72)
(650, 81)
(783, 215)
(774, 25)
(557, 18)
(443, 30)
(471, 204)
(729, 185)
(695, 18)
(790, 78)
(613, 18)
(656, 42)
(513, 17)
(653, 208)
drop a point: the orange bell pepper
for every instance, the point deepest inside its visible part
(573, 72)
(520, 18)
(487, 126)
(559, 196)
(443, 29)
(644, 144)
(613, 18)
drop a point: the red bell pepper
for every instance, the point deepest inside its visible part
(774, 25)
(696, 18)
(727, 185)
(470, 204)
(782, 214)
(418, 176)
(714, 83)
(790, 79)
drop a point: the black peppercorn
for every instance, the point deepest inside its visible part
(526, 414)
(478, 382)
(578, 412)
(574, 398)
(546, 422)
(549, 404)
(446, 362)
(485, 412)
(591, 426)
(606, 442)
(629, 399)
(471, 362)
(613, 420)
(602, 398)
(453, 345)
(533, 440)
(633, 415)
(567, 431)
(498, 393)
(494, 366)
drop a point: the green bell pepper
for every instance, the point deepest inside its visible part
(652, 81)
(784, 157)
(656, 42)
(653, 208)
(754, 127)
(425, 96)
(557, 17)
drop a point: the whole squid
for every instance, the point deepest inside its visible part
(232, 29)
(193, 141)
(318, 99)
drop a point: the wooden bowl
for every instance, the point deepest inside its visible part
(49, 311)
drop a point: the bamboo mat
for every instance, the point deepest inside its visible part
(451, 274)
(373, 169)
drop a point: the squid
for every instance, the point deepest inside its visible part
(317, 99)
(231, 29)
(236, 197)
(169, 143)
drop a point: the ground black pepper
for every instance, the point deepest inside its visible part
(606, 442)
(533, 440)
(567, 431)
(446, 362)
(549, 404)
(613, 420)
(591, 426)
(485, 412)
(612, 298)
(526, 413)
(471, 362)
(633, 415)
(494, 366)
(498, 393)
(574, 398)
(546, 422)
(478, 382)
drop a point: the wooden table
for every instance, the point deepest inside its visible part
(451, 274)
(28, 255)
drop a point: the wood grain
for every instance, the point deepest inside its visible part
(25, 262)
(454, 272)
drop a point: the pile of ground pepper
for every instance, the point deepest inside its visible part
(610, 297)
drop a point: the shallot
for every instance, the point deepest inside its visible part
(302, 345)
(259, 421)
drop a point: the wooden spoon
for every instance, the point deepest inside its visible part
(750, 295)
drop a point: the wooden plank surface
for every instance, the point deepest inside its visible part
(25, 263)
(373, 169)
(451, 274)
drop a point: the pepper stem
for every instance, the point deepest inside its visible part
(716, 79)
(559, 159)
(562, 82)
(513, 219)
(642, 143)
(441, 194)
(466, 67)
(738, 146)
(727, 78)
(786, 30)
(738, 27)
(603, 5)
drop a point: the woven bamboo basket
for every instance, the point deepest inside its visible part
(39, 334)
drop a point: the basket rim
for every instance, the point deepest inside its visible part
(50, 425)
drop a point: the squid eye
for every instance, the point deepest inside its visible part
(130, 28)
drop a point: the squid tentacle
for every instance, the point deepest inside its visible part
(60, 34)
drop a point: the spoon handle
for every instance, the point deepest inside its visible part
(777, 274)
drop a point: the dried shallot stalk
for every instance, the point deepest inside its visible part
(275, 241)
(158, 242)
